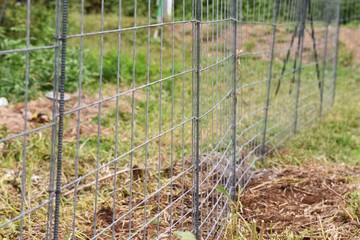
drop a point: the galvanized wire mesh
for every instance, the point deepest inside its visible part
(179, 107)
(347, 58)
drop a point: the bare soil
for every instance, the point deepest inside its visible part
(39, 113)
(297, 198)
(348, 37)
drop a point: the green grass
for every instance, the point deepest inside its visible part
(334, 138)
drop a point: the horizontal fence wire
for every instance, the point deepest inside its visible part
(130, 119)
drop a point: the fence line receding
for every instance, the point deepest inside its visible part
(150, 106)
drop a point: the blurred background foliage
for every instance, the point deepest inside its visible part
(13, 31)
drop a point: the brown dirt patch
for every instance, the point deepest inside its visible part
(297, 198)
(180, 199)
(12, 120)
(348, 37)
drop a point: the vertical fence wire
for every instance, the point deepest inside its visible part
(25, 137)
(234, 16)
(326, 36)
(336, 40)
(53, 150)
(196, 112)
(300, 48)
(78, 123)
(268, 82)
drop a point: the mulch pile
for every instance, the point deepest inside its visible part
(295, 199)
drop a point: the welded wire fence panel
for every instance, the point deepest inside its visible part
(155, 109)
(139, 133)
(27, 193)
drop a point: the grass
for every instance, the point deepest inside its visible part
(155, 164)
(335, 137)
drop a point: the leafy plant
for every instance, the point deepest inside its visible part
(353, 205)
(346, 56)
(35, 72)
(110, 67)
(222, 190)
(185, 235)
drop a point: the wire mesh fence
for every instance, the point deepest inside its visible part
(350, 16)
(148, 115)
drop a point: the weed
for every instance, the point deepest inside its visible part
(353, 206)
(346, 56)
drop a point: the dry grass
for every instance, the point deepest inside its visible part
(310, 202)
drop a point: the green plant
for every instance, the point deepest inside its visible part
(39, 75)
(185, 235)
(249, 46)
(353, 206)
(110, 67)
(42, 23)
(32, 72)
(346, 57)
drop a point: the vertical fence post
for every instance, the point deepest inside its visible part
(61, 117)
(338, 19)
(268, 82)
(327, 19)
(196, 112)
(234, 16)
(53, 150)
(239, 86)
(302, 12)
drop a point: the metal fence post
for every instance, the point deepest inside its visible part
(268, 83)
(302, 13)
(327, 19)
(336, 50)
(196, 113)
(60, 117)
(234, 16)
(55, 112)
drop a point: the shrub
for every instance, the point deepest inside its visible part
(40, 70)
